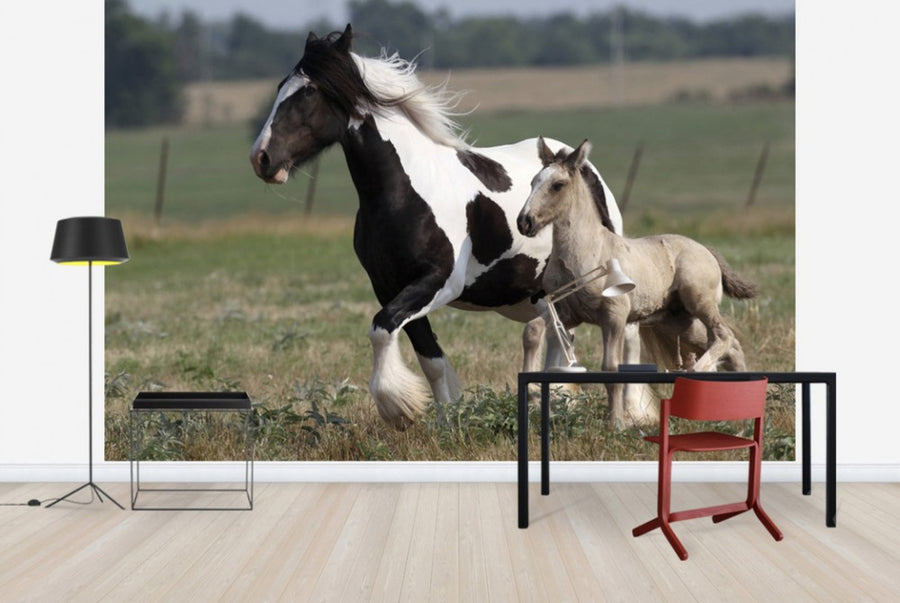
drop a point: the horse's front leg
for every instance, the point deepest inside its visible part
(401, 395)
(437, 368)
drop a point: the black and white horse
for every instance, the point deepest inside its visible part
(436, 218)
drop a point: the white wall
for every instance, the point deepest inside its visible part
(51, 109)
(51, 167)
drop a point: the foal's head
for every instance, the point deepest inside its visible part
(554, 189)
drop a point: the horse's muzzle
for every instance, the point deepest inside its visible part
(525, 224)
(262, 167)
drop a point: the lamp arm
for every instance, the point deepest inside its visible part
(561, 335)
(577, 284)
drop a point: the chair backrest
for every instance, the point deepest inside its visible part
(699, 400)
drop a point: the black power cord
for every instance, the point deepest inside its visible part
(31, 503)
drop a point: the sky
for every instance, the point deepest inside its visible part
(291, 14)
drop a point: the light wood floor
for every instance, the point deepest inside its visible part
(450, 542)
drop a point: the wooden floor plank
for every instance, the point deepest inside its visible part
(540, 569)
(392, 566)
(445, 578)
(352, 568)
(417, 574)
(292, 505)
(636, 503)
(451, 542)
(493, 526)
(302, 571)
(473, 557)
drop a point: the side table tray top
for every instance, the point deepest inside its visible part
(188, 402)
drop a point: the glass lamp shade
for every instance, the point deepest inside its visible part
(89, 240)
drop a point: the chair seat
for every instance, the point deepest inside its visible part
(704, 441)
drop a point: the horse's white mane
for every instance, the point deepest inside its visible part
(394, 83)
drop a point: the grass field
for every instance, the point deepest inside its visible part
(238, 290)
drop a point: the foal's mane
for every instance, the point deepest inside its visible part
(368, 84)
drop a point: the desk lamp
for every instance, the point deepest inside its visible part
(617, 283)
(89, 241)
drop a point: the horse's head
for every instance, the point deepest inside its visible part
(554, 188)
(312, 108)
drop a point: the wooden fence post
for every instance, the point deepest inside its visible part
(311, 187)
(161, 182)
(632, 174)
(757, 175)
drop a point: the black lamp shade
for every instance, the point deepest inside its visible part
(97, 240)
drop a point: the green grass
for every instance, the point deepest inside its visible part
(696, 157)
(239, 291)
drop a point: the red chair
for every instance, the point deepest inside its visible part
(709, 401)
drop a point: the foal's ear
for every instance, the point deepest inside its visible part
(312, 37)
(544, 152)
(343, 43)
(577, 157)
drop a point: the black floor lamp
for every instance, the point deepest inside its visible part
(89, 241)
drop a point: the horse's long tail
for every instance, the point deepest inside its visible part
(733, 285)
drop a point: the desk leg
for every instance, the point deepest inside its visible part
(545, 438)
(831, 454)
(807, 445)
(522, 425)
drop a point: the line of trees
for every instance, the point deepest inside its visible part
(148, 61)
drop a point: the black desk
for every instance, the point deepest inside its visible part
(803, 378)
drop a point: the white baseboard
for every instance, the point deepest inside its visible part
(562, 471)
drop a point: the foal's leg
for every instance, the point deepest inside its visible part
(613, 328)
(640, 403)
(733, 360)
(721, 339)
(532, 340)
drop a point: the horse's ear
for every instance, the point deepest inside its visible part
(312, 37)
(344, 42)
(577, 157)
(544, 152)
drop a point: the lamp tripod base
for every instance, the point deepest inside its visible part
(95, 489)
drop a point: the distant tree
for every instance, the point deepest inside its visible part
(397, 27)
(563, 40)
(192, 49)
(141, 86)
(143, 58)
(251, 50)
(484, 42)
(750, 35)
(649, 38)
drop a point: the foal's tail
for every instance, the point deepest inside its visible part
(733, 285)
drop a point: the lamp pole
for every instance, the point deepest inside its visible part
(95, 489)
(91, 372)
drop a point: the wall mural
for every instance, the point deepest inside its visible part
(381, 345)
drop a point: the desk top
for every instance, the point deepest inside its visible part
(191, 401)
(669, 377)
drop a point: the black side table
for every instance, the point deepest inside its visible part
(188, 402)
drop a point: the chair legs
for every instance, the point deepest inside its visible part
(719, 513)
(767, 521)
(667, 531)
